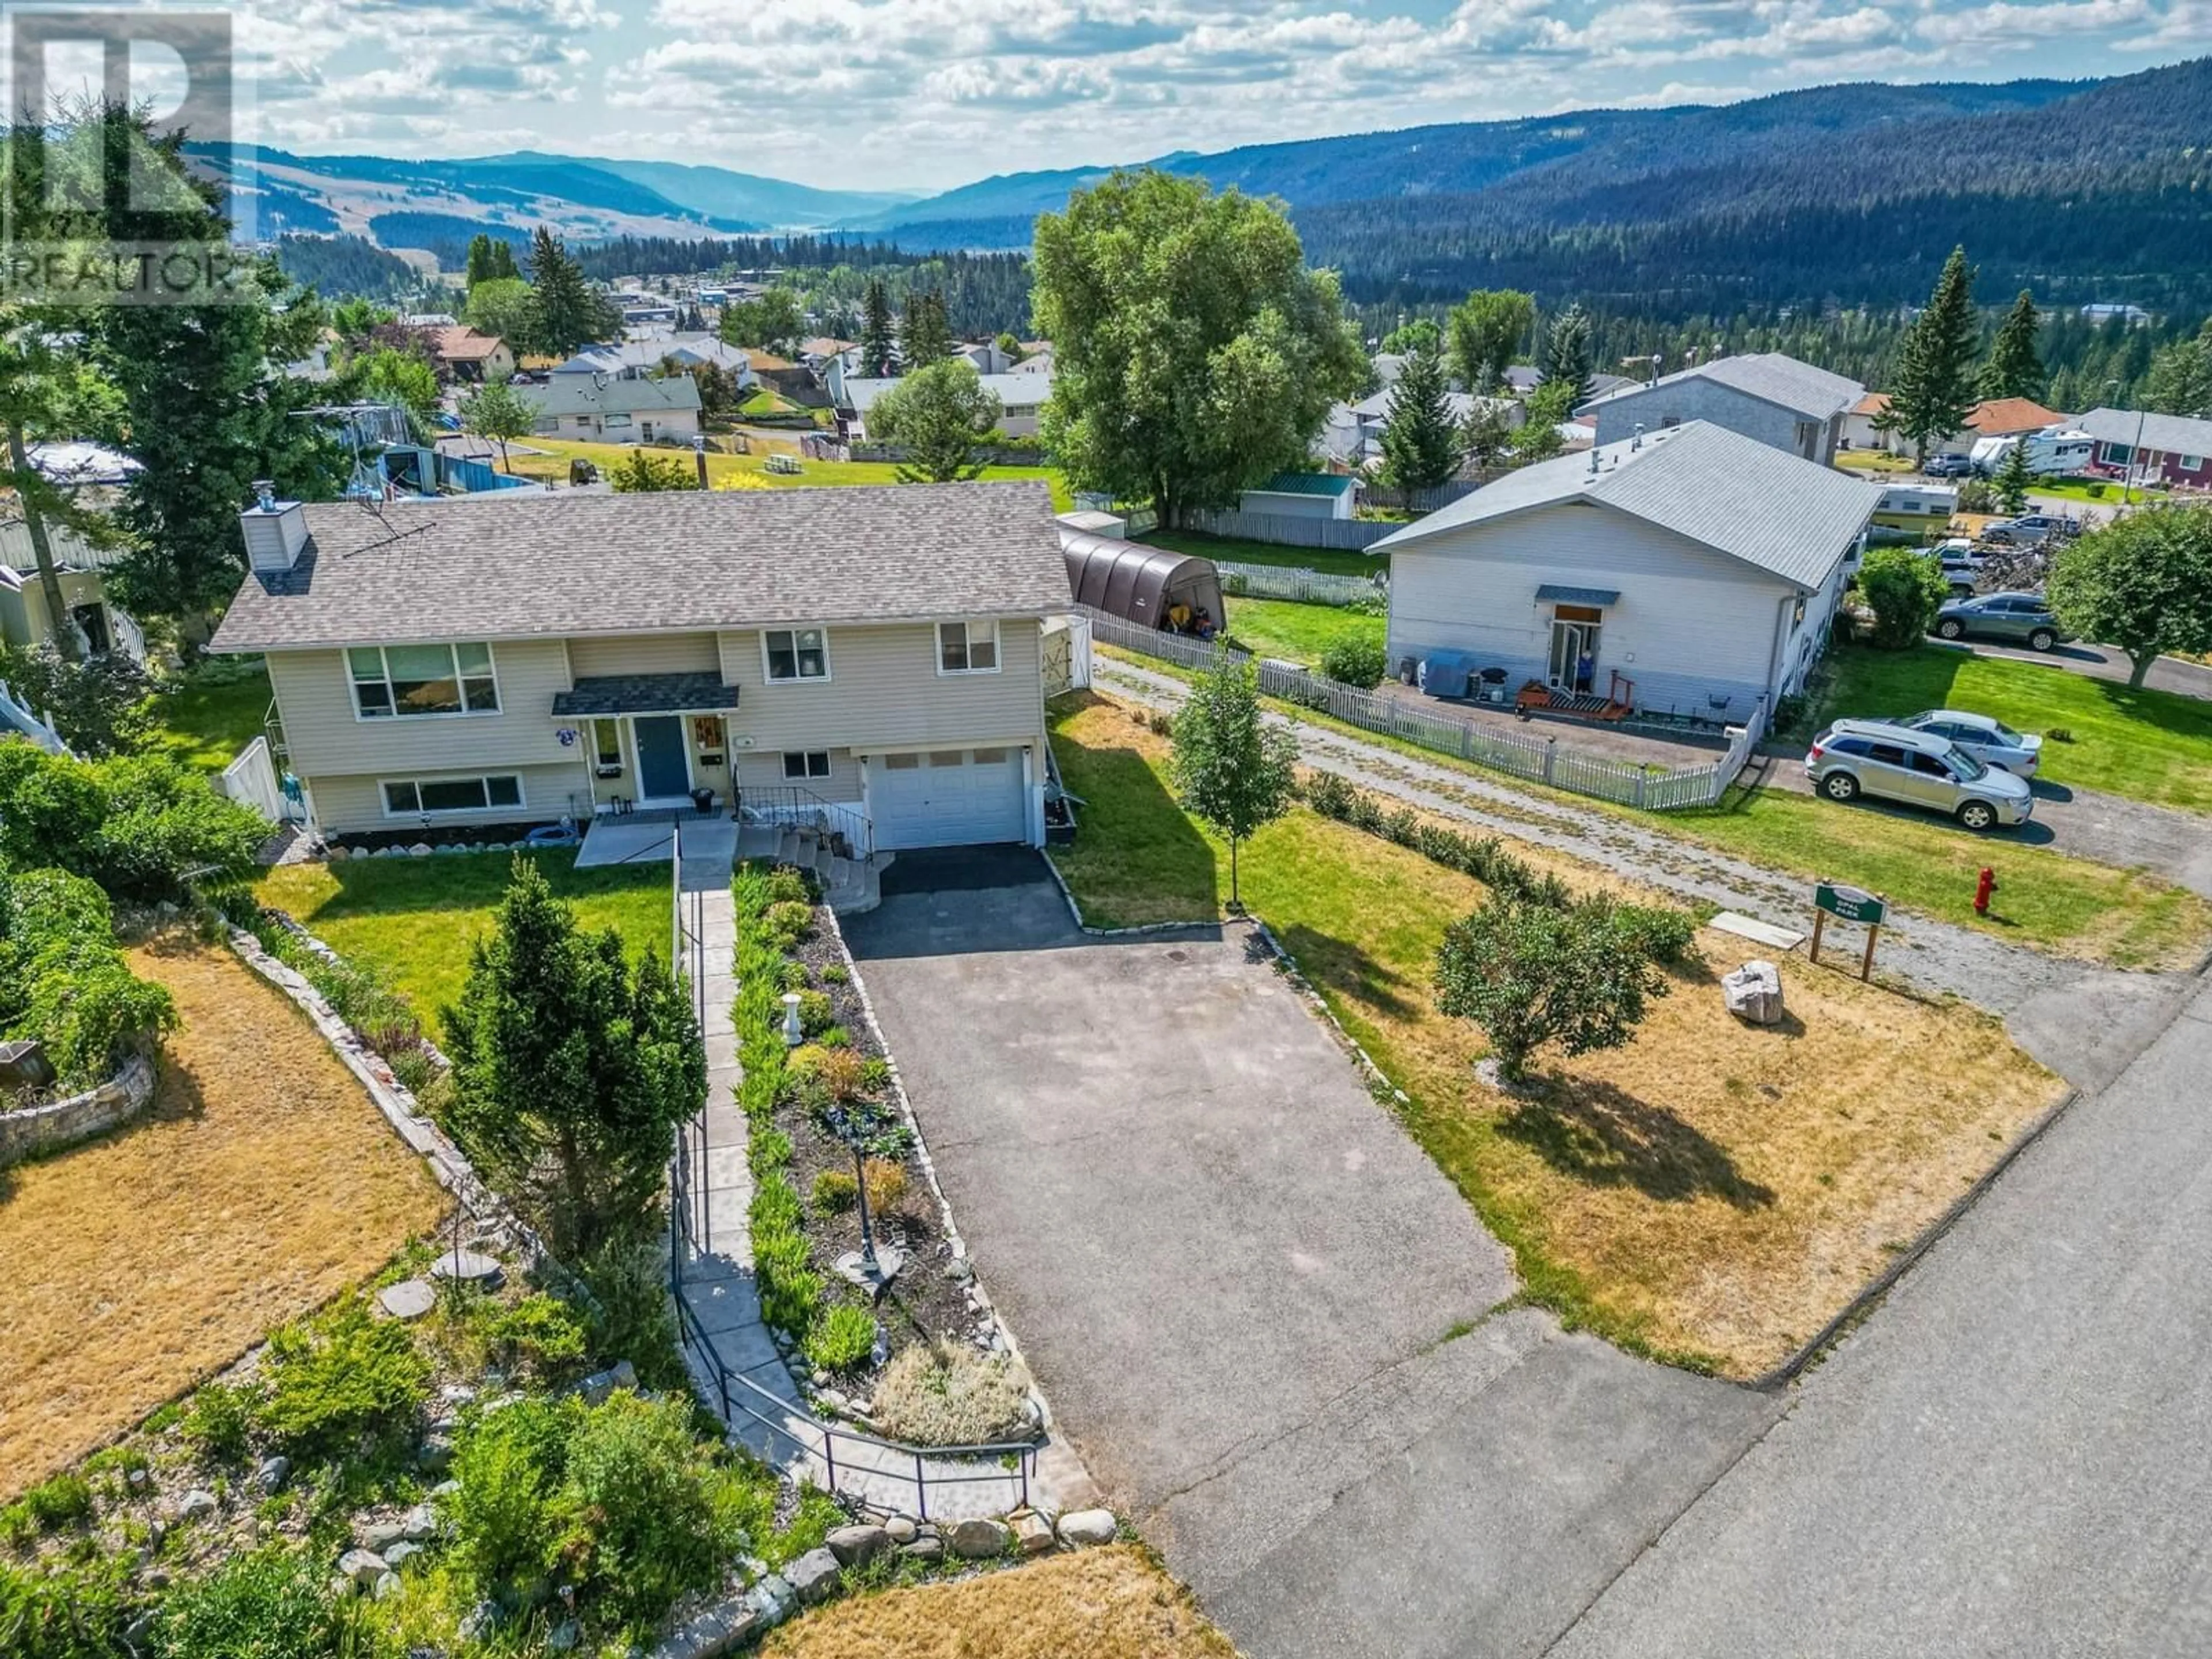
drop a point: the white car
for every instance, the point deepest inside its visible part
(1990, 742)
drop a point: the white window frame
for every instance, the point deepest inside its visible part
(967, 648)
(768, 677)
(384, 800)
(452, 649)
(806, 774)
(601, 765)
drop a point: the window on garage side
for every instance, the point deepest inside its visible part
(806, 763)
(967, 648)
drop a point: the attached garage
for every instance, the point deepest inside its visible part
(948, 798)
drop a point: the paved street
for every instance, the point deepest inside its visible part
(2014, 1456)
(2099, 662)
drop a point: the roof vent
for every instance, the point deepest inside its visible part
(275, 531)
(1637, 442)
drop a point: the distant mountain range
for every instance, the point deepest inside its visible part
(1843, 192)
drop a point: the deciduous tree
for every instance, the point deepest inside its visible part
(2142, 583)
(1485, 332)
(1532, 974)
(1232, 771)
(497, 412)
(640, 473)
(505, 307)
(1904, 588)
(776, 321)
(936, 414)
(1194, 353)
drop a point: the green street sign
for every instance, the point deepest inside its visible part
(1849, 903)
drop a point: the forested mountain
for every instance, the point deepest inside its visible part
(344, 266)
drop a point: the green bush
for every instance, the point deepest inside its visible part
(816, 1012)
(63, 979)
(2095, 491)
(506, 1514)
(845, 1341)
(1664, 935)
(60, 1500)
(1537, 974)
(1905, 589)
(835, 1191)
(340, 1377)
(71, 1611)
(1357, 660)
(795, 976)
(99, 706)
(767, 1152)
(270, 1604)
(790, 921)
(631, 1315)
(219, 1421)
(132, 824)
(655, 1519)
(836, 974)
(540, 1331)
(790, 1290)
(788, 884)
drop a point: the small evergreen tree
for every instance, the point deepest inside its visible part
(479, 260)
(1933, 390)
(1485, 437)
(925, 335)
(1420, 444)
(1232, 771)
(1530, 974)
(2013, 479)
(878, 344)
(2013, 369)
(497, 412)
(1568, 345)
(571, 1069)
(936, 414)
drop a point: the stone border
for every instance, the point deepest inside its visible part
(36, 1130)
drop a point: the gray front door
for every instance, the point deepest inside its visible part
(660, 770)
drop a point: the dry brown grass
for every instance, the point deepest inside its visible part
(1712, 1192)
(1111, 1603)
(262, 1182)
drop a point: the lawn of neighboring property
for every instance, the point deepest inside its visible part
(414, 919)
(2049, 899)
(2149, 746)
(1296, 632)
(1872, 460)
(1712, 1192)
(260, 1183)
(1306, 558)
(2108, 495)
(1110, 1603)
(750, 471)
(208, 719)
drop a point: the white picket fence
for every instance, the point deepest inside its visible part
(1520, 754)
(1281, 582)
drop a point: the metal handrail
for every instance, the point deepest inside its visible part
(801, 808)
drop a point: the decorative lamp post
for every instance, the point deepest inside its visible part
(843, 1126)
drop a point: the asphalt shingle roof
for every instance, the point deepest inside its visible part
(588, 394)
(645, 694)
(1014, 391)
(1774, 377)
(1789, 517)
(503, 566)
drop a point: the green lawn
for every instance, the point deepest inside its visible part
(750, 471)
(1297, 633)
(205, 724)
(1306, 558)
(2149, 746)
(2073, 489)
(414, 919)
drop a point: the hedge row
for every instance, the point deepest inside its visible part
(64, 980)
(790, 1290)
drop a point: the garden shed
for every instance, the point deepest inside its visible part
(1139, 583)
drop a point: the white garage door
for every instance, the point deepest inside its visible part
(947, 798)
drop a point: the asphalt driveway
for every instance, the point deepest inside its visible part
(1267, 1321)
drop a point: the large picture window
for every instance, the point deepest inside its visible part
(796, 653)
(967, 648)
(408, 798)
(399, 681)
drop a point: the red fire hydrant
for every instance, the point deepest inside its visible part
(1983, 888)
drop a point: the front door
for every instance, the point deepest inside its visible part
(661, 773)
(1574, 655)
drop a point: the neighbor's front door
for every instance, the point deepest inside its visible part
(661, 773)
(1573, 643)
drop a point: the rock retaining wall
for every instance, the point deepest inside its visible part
(37, 1130)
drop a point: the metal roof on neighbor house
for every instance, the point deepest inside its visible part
(1330, 484)
(1789, 517)
(1772, 377)
(2169, 434)
(497, 566)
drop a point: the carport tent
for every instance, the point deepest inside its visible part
(1140, 583)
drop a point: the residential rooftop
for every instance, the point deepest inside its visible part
(1785, 515)
(2169, 434)
(569, 563)
(1014, 391)
(1772, 377)
(588, 394)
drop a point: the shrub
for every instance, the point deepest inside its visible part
(99, 705)
(270, 1604)
(631, 1315)
(505, 1520)
(1356, 661)
(219, 1420)
(2059, 734)
(64, 980)
(836, 1037)
(655, 1521)
(2095, 491)
(60, 1500)
(876, 1072)
(1532, 973)
(886, 1184)
(1905, 589)
(1662, 932)
(795, 976)
(842, 1073)
(834, 1192)
(950, 1395)
(1975, 496)
(133, 824)
(340, 1377)
(845, 1341)
(836, 974)
(540, 1331)
(788, 884)
(64, 1612)
(790, 921)
(816, 1014)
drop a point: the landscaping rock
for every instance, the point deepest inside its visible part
(901, 1528)
(563, 1635)
(138, 1632)
(436, 1452)
(814, 1575)
(411, 1298)
(421, 849)
(1088, 1527)
(712, 1633)
(381, 1535)
(387, 1583)
(1032, 1534)
(468, 1267)
(774, 1598)
(855, 1546)
(477, 1622)
(977, 1540)
(1754, 992)
(196, 1504)
(364, 1567)
(597, 1387)
(399, 1553)
(420, 1523)
(270, 1474)
(924, 1549)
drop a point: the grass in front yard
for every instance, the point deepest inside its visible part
(1297, 633)
(1301, 558)
(414, 919)
(1111, 1603)
(1872, 460)
(205, 723)
(2148, 745)
(1710, 1194)
(260, 1183)
(750, 471)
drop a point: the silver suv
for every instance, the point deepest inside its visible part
(1895, 763)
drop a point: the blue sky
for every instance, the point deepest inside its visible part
(927, 93)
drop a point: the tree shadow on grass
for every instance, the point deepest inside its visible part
(1337, 965)
(1603, 1136)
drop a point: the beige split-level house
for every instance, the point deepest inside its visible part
(486, 661)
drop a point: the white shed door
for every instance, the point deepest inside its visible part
(947, 798)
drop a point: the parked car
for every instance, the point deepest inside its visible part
(1962, 564)
(1990, 742)
(2029, 530)
(1948, 466)
(2022, 617)
(1894, 763)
